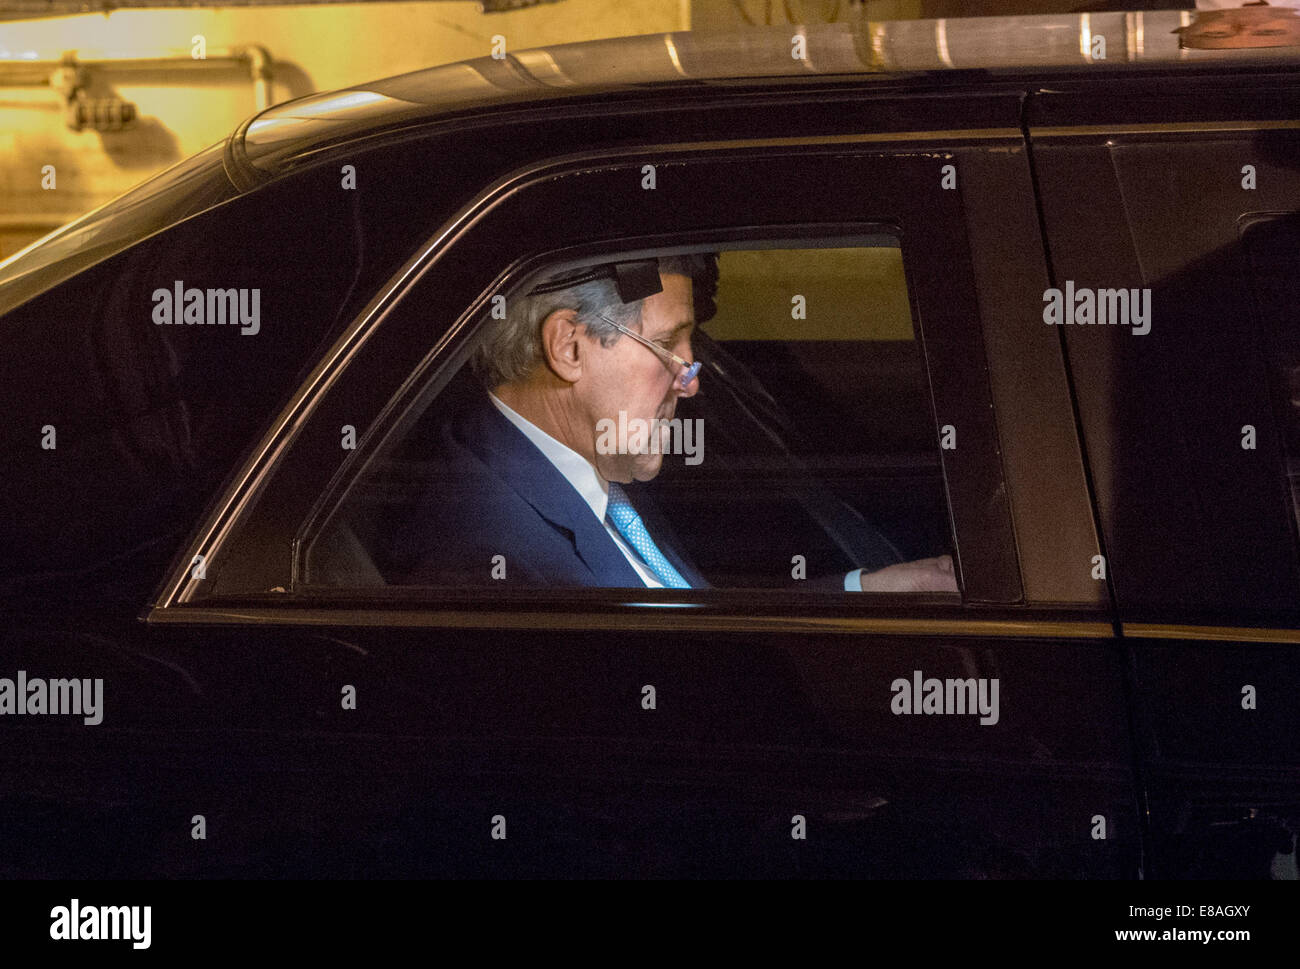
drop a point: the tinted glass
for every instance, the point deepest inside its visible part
(149, 397)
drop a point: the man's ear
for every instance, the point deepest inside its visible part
(563, 346)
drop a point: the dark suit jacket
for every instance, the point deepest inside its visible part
(494, 493)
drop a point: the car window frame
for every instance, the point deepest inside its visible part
(952, 349)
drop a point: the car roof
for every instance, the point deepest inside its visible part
(1021, 45)
(276, 140)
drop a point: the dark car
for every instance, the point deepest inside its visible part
(1016, 291)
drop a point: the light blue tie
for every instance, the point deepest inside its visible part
(631, 527)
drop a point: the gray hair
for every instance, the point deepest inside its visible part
(513, 347)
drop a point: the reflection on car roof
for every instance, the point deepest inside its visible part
(885, 49)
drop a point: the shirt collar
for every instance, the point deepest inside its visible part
(577, 470)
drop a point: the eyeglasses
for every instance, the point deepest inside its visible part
(688, 371)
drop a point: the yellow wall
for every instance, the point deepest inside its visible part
(849, 294)
(718, 14)
(317, 48)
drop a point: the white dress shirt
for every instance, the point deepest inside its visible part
(586, 481)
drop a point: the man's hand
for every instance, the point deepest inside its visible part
(923, 575)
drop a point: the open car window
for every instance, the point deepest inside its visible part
(805, 454)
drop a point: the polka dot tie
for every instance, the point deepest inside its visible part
(631, 527)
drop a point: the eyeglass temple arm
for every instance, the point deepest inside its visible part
(689, 370)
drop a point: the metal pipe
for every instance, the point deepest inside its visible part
(34, 72)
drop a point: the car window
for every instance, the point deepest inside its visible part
(789, 415)
(803, 453)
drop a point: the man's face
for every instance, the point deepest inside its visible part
(631, 378)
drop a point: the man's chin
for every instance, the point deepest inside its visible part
(647, 473)
(645, 469)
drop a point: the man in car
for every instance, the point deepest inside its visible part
(534, 494)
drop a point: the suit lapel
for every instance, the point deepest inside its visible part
(528, 472)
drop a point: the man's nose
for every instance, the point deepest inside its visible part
(691, 388)
(693, 385)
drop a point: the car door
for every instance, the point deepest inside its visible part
(405, 730)
(1186, 193)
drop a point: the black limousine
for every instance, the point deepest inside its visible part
(867, 451)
